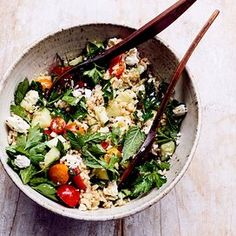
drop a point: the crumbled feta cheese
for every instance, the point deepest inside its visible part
(180, 110)
(132, 57)
(101, 114)
(77, 93)
(17, 124)
(87, 93)
(30, 100)
(122, 122)
(111, 190)
(22, 161)
(113, 41)
(104, 130)
(72, 161)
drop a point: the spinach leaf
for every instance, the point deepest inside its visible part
(47, 190)
(37, 153)
(93, 48)
(21, 91)
(76, 141)
(90, 160)
(27, 173)
(97, 149)
(95, 74)
(149, 177)
(133, 140)
(69, 98)
(34, 137)
(20, 111)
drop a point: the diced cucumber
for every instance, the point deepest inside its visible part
(50, 157)
(167, 150)
(42, 118)
(76, 61)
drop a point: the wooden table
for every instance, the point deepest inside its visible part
(204, 201)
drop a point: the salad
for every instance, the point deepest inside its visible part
(73, 143)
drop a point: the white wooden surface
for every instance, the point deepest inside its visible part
(204, 201)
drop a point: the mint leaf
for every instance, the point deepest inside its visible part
(76, 141)
(20, 111)
(95, 74)
(34, 137)
(108, 93)
(27, 173)
(47, 190)
(21, 91)
(133, 141)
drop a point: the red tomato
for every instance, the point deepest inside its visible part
(47, 132)
(58, 125)
(69, 195)
(60, 70)
(117, 66)
(104, 144)
(79, 182)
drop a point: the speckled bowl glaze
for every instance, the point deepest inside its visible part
(70, 43)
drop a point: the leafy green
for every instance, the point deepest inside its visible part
(47, 190)
(40, 180)
(27, 173)
(149, 177)
(21, 91)
(80, 110)
(93, 48)
(108, 93)
(116, 136)
(95, 74)
(69, 98)
(76, 141)
(20, 111)
(61, 148)
(133, 140)
(34, 137)
(97, 149)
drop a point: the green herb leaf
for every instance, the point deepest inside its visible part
(95, 74)
(76, 141)
(108, 93)
(96, 149)
(149, 177)
(47, 190)
(40, 180)
(133, 140)
(20, 111)
(116, 136)
(21, 91)
(27, 173)
(61, 148)
(80, 110)
(69, 98)
(34, 137)
(93, 48)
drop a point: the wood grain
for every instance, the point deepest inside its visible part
(203, 202)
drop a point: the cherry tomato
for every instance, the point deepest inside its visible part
(117, 66)
(60, 70)
(47, 132)
(69, 195)
(45, 81)
(79, 182)
(73, 127)
(58, 174)
(58, 125)
(104, 144)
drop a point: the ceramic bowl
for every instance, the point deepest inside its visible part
(70, 42)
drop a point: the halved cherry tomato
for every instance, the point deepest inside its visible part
(104, 144)
(45, 81)
(79, 182)
(117, 66)
(69, 195)
(60, 70)
(58, 174)
(73, 127)
(58, 125)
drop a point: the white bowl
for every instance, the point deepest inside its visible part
(70, 42)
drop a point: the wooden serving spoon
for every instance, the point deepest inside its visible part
(139, 36)
(146, 147)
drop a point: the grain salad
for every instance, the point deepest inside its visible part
(72, 142)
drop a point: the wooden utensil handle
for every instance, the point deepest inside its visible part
(152, 133)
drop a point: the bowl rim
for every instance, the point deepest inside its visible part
(143, 206)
